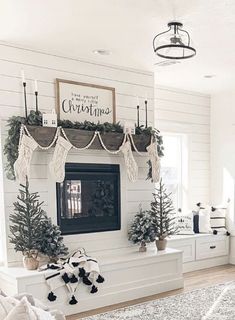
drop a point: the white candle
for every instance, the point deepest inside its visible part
(146, 97)
(35, 86)
(22, 76)
(137, 100)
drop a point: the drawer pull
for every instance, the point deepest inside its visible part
(212, 247)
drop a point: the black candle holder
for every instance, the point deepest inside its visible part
(36, 97)
(138, 116)
(146, 113)
(25, 101)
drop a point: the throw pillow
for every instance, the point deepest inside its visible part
(204, 220)
(185, 224)
(22, 311)
(218, 220)
(5, 307)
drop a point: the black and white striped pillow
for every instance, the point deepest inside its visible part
(218, 220)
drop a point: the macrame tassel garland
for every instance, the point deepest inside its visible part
(155, 161)
(22, 165)
(57, 164)
(131, 166)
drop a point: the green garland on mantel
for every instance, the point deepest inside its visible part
(35, 119)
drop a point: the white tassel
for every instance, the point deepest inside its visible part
(22, 165)
(155, 161)
(131, 166)
(57, 164)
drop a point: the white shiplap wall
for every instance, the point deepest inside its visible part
(188, 113)
(46, 68)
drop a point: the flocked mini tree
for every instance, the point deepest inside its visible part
(163, 214)
(51, 241)
(141, 230)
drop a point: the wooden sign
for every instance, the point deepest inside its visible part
(78, 101)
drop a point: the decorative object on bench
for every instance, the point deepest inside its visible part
(141, 230)
(71, 272)
(218, 220)
(184, 223)
(103, 135)
(27, 229)
(163, 216)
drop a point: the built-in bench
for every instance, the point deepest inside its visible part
(201, 251)
(128, 275)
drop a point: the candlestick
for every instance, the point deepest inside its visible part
(146, 113)
(22, 76)
(25, 101)
(36, 96)
(138, 116)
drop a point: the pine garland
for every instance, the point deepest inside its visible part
(14, 123)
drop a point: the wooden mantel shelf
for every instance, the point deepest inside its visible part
(80, 138)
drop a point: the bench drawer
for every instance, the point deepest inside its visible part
(212, 246)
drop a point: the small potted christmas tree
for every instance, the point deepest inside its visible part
(50, 241)
(163, 216)
(24, 227)
(32, 231)
(141, 230)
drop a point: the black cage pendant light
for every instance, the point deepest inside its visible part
(175, 43)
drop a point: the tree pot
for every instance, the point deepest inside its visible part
(161, 244)
(30, 263)
(142, 247)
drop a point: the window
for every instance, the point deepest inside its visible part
(174, 167)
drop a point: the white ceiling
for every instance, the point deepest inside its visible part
(75, 28)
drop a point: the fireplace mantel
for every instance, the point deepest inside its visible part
(80, 138)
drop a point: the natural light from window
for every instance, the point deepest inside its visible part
(172, 167)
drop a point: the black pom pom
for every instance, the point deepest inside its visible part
(81, 272)
(198, 204)
(86, 281)
(73, 300)
(213, 209)
(51, 296)
(215, 231)
(65, 277)
(100, 279)
(73, 279)
(227, 233)
(75, 264)
(94, 289)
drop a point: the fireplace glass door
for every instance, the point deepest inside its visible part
(89, 198)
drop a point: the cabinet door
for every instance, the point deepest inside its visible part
(187, 246)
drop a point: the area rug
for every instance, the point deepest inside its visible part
(211, 303)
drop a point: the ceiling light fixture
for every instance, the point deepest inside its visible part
(175, 43)
(102, 52)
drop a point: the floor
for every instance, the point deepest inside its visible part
(192, 280)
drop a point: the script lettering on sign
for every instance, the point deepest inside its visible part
(79, 102)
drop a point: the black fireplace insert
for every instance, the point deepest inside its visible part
(89, 198)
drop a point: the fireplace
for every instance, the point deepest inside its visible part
(89, 198)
